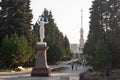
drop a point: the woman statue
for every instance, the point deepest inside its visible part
(41, 22)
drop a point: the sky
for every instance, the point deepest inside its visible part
(67, 15)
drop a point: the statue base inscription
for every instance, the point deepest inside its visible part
(41, 67)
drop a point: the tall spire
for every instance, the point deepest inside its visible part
(81, 29)
(81, 18)
(81, 42)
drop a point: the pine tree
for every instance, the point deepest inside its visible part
(102, 57)
(104, 24)
(16, 18)
(15, 51)
(97, 29)
(67, 47)
(5, 56)
(54, 39)
(115, 31)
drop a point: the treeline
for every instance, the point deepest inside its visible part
(15, 33)
(17, 39)
(58, 44)
(103, 45)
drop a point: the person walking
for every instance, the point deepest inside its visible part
(72, 65)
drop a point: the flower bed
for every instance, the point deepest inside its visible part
(99, 76)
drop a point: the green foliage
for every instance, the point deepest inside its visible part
(94, 47)
(5, 58)
(35, 39)
(115, 31)
(67, 47)
(15, 18)
(96, 31)
(89, 48)
(103, 38)
(14, 51)
(54, 54)
(55, 40)
(102, 55)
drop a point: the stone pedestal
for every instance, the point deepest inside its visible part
(41, 67)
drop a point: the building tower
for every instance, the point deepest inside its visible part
(81, 41)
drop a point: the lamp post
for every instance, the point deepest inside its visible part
(106, 16)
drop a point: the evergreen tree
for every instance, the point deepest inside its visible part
(16, 18)
(114, 23)
(97, 30)
(104, 25)
(5, 56)
(17, 53)
(102, 57)
(54, 39)
(67, 47)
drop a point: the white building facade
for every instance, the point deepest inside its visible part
(75, 50)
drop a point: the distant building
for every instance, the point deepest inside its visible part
(75, 50)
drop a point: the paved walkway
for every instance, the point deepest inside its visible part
(67, 74)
